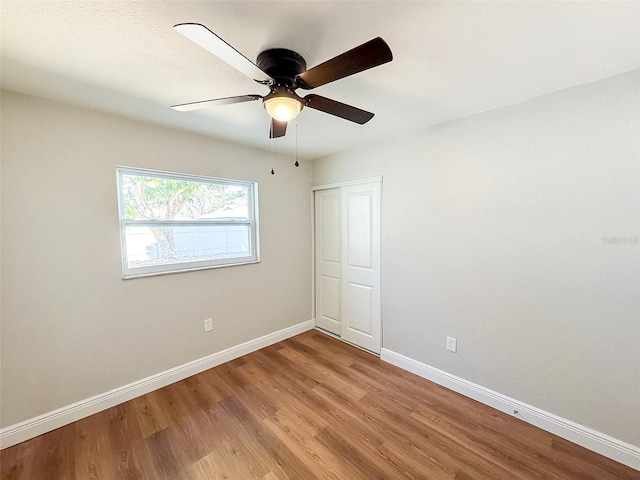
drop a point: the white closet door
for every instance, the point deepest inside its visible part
(347, 232)
(361, 317)
(328, 231)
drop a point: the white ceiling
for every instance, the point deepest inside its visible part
(451, 59)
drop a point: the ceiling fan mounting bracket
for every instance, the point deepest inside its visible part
(281, 64)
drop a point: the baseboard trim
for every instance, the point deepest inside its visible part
(598, 442)
(33, 427)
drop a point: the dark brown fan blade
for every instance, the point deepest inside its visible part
(338, 109)
(278, 129)
(368, 55)
(185, 107)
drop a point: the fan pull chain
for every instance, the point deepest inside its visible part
(297, 164)
(271, 144)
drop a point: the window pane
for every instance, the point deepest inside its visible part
(170, 245)
(175, 222)
(157, 198)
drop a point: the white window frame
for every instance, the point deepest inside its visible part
(252, 222)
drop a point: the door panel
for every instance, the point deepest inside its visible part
(331, 225)
(330, 288)
(328, 235)
(359, 229)
(361, 319)
(359, 309)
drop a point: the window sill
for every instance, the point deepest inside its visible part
(183, 270)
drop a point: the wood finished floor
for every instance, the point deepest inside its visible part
(310, 407)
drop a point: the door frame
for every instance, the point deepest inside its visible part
(327, 186)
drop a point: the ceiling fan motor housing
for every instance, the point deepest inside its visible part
(281, 64)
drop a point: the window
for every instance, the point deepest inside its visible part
(171, 222)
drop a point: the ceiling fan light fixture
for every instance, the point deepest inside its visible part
(285, 71)
(282, 108)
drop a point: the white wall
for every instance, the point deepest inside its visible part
(71, 327)
(492, 232)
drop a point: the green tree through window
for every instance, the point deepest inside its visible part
(148, 198)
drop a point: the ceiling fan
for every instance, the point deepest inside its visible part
(284, 71)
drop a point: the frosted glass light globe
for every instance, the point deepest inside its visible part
(282, 109)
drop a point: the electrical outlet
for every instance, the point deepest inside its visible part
(208, 325)
(452, 344)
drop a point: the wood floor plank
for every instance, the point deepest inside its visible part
(310, 407)
(291, 429)
(268, 447)
(92, 445)
(375, 435)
